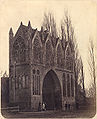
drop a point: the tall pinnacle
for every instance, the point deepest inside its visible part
(21, 23)
(11, 31)
(29, 24)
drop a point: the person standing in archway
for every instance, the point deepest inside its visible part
(39, 107)
(43, 107)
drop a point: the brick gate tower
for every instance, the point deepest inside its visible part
(40, 70)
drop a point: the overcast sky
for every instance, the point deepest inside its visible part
(83, 15)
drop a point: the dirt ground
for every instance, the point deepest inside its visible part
(50, 114)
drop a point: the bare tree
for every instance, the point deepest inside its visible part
(49, 24)
(66, 27)
(68, 35)
(81, 78)
(92, 68)
(1, 73)
(5, 74)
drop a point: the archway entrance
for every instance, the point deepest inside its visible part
(51, 91)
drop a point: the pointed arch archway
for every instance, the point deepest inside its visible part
(51, 91)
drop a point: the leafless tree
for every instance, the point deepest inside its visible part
(92, 68)
(66, 27)
(5, 74)
(67, 34)
(81, 78)
(79, 75)
(1, 73)
(49, 24)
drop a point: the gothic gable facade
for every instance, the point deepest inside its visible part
(36, 61)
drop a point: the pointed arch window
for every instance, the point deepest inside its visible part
(64, 85)
(68, 85)
(11, 82)
(69, 59)
(23, 81)
(49, 53)
(36, 82)
(20, 82)
(59, 56)
(19, 50)
(26, 81)
(37, 51)
(17, 83)
(68, 52)
(72, 86)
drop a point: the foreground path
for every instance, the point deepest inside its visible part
(50, 114)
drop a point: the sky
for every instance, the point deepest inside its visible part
(83, 15)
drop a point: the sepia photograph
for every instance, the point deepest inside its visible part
(48, 58)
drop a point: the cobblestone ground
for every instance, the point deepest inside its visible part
(51, 114)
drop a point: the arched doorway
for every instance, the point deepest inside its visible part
(51, 91)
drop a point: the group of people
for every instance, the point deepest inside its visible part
(42, 107)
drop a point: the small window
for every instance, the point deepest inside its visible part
(33, 71)
(72, 86)
(16, 82)
(23, 80)
(11, 82)
(20, 84)
(64, 85)
(38, 72)
(27, 82)
(68, 85)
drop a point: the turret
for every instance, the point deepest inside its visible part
(11, 35)
(29, 29)
(63, 37)
(42, 30)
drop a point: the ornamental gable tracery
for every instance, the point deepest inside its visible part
(19, 50)
(44, 51)
(49, 57)
(68, 58)
(37, 50)
(59, 52)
